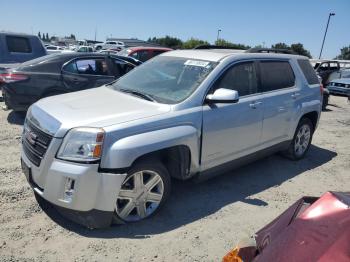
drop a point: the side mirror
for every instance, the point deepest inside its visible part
(223, 95)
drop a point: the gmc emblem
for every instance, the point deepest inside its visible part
(31, 137)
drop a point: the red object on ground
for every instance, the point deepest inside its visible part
(310, 230)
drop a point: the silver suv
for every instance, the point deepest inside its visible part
(108, 154)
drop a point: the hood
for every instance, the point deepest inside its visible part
(97, 107)
(345, 81)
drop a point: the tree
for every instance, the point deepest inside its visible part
(300, 50)
(223, 42)
(280, 46)
(167, 41)
(344, 53)
(47, 37)
(39, 35)
(297, 48)
(193, 42)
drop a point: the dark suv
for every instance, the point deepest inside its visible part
(60, 73)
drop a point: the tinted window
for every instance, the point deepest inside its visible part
(88, 67)
(308, 71)
(121, 67)
(18, 44)
(241, 78)
(276, 75)
(51, 48)
(141, 55)
(158, 52)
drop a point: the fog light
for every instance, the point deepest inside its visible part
(68, 189)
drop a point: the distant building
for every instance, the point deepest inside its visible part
(132, 42)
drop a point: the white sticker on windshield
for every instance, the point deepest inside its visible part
(196, 63)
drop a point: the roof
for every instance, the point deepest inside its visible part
(215, 55)
(137, 48)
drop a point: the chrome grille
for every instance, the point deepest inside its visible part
(35, 143)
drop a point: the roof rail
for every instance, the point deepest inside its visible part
(203, 47)
(271, 50)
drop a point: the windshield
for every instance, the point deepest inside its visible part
(124, 52)
(166, 79)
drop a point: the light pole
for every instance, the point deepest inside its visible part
(217, 38)
(325, 33)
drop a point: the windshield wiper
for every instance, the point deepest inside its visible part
(138, 93)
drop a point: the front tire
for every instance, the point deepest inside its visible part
(144, 190)
(301, 140)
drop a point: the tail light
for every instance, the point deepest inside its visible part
(12, 77)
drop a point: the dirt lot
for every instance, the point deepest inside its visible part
(201, 222)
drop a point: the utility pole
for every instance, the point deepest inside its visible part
(325, 34)
(217, 38)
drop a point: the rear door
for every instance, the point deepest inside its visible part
(281, 95)
(85, 73)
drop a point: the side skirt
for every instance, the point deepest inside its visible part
(214, 171)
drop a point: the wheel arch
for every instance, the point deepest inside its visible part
(176, 147)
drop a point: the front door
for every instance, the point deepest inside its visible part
(233, 130)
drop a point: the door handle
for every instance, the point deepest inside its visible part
(295, 95)
(255, 104)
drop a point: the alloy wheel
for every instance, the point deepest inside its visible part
(302, 140)
(140, 195)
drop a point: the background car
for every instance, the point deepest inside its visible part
(85, 49)
(110, 45)
(143, 53)
(329, 69)
(61, 73)
(340, 86)
(18, 48)
(52, 49)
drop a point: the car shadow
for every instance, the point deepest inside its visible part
(16, 118)
(191, 201)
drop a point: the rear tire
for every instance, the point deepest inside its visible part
(301, 140)
(143, 192)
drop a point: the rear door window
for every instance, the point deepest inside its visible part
(18, 44)
(276, 75)
(308, 71)
(241, 77)
(87, 67)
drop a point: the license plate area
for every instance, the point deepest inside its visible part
(26, 171)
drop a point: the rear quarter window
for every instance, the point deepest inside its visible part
(308, 72)
(18, 44)
(276, 75)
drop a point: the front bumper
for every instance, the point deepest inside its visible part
(342, 91)
(93, 193)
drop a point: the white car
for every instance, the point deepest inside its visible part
(110, 45)
(52, 49)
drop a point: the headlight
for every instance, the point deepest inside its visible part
(82, 145)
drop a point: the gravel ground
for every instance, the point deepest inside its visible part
(200, 222)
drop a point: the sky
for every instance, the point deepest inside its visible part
(252, 22)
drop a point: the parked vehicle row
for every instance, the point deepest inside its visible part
(108, 154)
